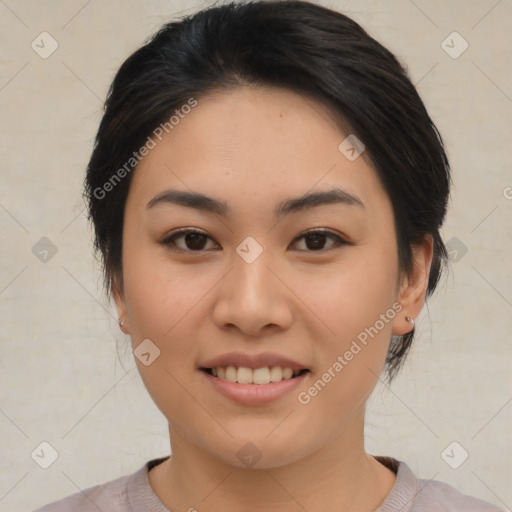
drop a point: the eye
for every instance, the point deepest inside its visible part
(316, 239)
(197, 241)
(194, 240)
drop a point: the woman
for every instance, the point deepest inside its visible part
(267, 191)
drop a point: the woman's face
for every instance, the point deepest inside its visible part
(257, 288)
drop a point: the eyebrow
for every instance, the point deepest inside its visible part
(286, 207)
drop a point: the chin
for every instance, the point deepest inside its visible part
(259, 451)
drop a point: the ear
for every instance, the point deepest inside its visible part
(413, 288)
(118, 294)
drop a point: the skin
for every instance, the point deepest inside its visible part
(253, 148)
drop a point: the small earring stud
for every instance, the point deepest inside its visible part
(409, 319)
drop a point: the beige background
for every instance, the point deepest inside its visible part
(61, 378)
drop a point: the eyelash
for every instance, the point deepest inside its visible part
(170, 240)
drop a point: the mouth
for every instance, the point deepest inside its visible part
(258, 376)
(256, 386)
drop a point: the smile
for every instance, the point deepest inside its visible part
(258, 376)
(248, 392)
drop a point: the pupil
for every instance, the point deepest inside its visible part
(195, 241)
(318, 241)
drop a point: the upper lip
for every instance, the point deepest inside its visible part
(239, 359)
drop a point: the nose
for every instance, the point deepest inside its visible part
(252, 298)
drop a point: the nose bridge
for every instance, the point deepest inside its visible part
(251, 297)
(251, 273)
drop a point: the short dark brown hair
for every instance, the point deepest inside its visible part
(305, 48)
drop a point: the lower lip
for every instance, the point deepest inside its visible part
(254, 394)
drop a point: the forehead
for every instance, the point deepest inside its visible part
(259, 144)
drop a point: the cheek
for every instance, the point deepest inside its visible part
(160, 294)
(352, 294)
(355, 300)
(163, 304)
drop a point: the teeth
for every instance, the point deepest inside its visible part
(264, 375)
(287, 373)
(260, 376)
(231, 374)
(244, 375)
(276, 374)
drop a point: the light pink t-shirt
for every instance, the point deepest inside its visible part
(132, 493)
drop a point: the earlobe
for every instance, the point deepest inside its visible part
(118, 295)
(411, 320)
(122, 327)
(414, 287)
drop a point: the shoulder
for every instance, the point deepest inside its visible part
(436, 496)
(111, 495)
(411, 494)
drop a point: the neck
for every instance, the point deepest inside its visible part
(339, 476)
